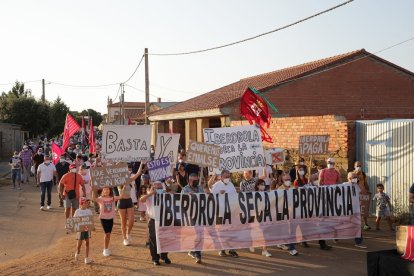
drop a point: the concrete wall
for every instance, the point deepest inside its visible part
(10, 140)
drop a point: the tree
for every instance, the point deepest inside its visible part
(96, 116)
(58, 111)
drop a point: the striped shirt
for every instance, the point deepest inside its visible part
(248, 185)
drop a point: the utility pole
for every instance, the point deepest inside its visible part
(123, 99)
(43, 90)
(146, 86)
(120, 105)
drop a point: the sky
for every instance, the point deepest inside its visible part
(98, 42)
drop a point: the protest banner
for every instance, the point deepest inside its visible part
(241, 147)
(313, 144)
(126, 143)
(167, 145)
(204, 155)
(159, 169)
(275, 156)
(79, 224)
(203, 222)
(109, 176)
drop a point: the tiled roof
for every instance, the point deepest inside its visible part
(132, 113)
(129, 104)
(224, 95)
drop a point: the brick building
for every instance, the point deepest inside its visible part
(321, 97)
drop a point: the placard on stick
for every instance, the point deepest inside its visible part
(79, 224)
(313, 144)
(275, 156)
(204, 155)
(109, 176)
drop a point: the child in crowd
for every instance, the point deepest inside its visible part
(107, 214)
(142, 207)
(84, 171)
(84, 235)
(383, 206)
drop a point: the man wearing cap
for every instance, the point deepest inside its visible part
(71, 181)
(26, 156)
(45, 173)
(328, 176)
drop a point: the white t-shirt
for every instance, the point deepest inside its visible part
(218, 186)
(46, 172)
(82, 213)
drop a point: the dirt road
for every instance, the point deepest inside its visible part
(34, 242)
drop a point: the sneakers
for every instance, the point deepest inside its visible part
(282, 246)
(76, 256)
(191, 254)
(156, 263)
(88, 260)
(361, 246)
(126, 242)
(41, 208)
(233, 253)
(222, 253)
(49, 207)
(251, 249)
(198, 260)
(167, 261)
(266, 253)
(293, 252)
(106, 252)
(129, 238)
(367, 227)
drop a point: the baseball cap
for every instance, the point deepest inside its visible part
(72, 166)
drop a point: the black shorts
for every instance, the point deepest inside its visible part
(107, 225)
(125, 203)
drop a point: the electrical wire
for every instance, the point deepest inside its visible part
(12, 83)
(142, 58)
(140, 90)
(83, 86)
(253, 37)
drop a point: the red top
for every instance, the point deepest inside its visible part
(296, 182)
(329, 177)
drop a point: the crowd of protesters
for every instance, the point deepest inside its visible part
(72, 177)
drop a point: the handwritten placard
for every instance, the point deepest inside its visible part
(109, 176)
(205, 155)
(80, 224)
(159, 169)
(313, 144)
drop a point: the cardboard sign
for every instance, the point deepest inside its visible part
(275, 156)
(159, 169)
(313, 144)
(240, 147)
(126, 143)
(167, 145)
(365, 201)
(80, 224)
(109, 176)
(204, 155)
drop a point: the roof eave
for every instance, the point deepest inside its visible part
(188, 115)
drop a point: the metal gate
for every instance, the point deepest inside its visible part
(386, 151)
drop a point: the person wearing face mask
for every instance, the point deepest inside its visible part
(45, 173)
(71, 181)
(194, 187)
(329, 176)
(287, 184)
(363, 185)
(248, 182)
(38, 159)
(301, 179)
(353, 180)
(224, 185)
(71, 153)
(260, 186)
(62, 168)
(300, 162)
(16, 169)
(26, 156)
(156, 188)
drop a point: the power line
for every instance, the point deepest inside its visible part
(24, 82)
(135, 69)
(140, 90)
(83, 86)
(256, 36)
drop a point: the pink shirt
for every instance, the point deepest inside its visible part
(329, 177)
(107, 207)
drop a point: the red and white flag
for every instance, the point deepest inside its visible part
(56, 153)
(71, 127)
(409, 244)
(85, 136)
(92, 142)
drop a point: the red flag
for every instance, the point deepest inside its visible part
(92, 142)
(71, 127)
(85, 132)
(56, 153)
(409, 244)
(129, 121)
(255, 109)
